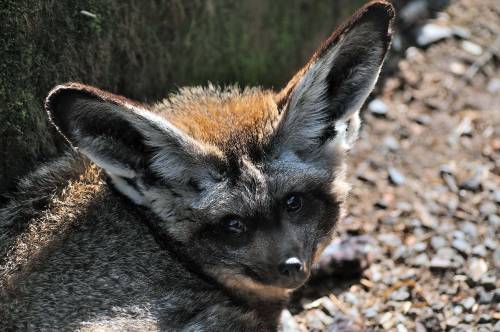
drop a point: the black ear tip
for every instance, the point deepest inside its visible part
(59, 100)
(381, 12)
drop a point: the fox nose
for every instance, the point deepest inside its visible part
(292, 268)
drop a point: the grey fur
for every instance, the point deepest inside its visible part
(141, 237)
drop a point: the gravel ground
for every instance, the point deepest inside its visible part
(419, 249)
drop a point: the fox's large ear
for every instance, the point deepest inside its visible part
(321, 103)
(134, 146)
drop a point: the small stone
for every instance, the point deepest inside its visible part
(472, 184)
(497, 326)
(479, 251)
(370, 313)
(469, 229)
(457, 68)
(452, 322)
(496, 257)
(462, 246)
(458, 235)
(401, 328)
(477, 268)
(390, 239)
(396, 177)
(438, 242)
(414, 11)
(420, 260)
(468, 303)
(494, 220)
(484, 318)
(496, 194)
(313, 322)
(487, 208)
(490, 244)
(288, 323)
(431, 33)
(488, 282)
(469, 318)
(378, 107)
(458, 310)
(419, 246)
(484, 297)
(391, 143)
(472, 48)
(401, 294)
(461, 328)
(437, 306)
(423, 119)
(324, 318)
(493, 85)
(441, 263)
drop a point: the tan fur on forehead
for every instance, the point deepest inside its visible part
(217, 115)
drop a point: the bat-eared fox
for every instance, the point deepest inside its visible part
(200, 213)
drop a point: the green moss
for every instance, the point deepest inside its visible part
(142, 49)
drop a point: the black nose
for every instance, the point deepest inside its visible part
(291, 268)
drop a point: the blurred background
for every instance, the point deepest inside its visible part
(419, 247)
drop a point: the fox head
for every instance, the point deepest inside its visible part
(249, 183)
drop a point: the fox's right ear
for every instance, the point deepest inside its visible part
(130, 143)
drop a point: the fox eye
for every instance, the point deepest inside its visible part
(234, 225)
(293, 202)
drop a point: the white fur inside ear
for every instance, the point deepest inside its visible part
(128, 190)
(110, 167)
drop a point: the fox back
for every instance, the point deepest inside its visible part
(202, 212)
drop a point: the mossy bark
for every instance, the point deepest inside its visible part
(142, 49)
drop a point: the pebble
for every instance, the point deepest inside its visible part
(469, 229)
(420, 260)
(378, 107)
(401, 294)
(452, 322)
(490, 244)
(472, 48)
(288, 323)
(431, 33)
(468, 303)
(496, 193)
(487, 208)
(484, 318)
(484, 297)
(396, 177)
(391, 143)
(494, 220)
(496, 257)
(414, 11)
(488, 282)
(390, 239)
(479, 251)
(472, 184)
(462, 246)
(493, 85)
(401, 328)
(370, 313)
(438, 242)
(477, 268)
(497, 326)
(469, 318)
(441, 263)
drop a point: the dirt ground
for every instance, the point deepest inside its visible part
(420, 244)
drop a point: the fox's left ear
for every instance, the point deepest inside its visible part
(320, 104)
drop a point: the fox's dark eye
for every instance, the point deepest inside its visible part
(293, 202)
(234, 225)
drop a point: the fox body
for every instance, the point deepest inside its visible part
(200, 213)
